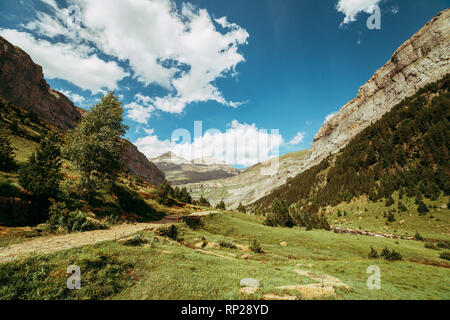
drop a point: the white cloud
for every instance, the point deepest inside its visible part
(76, 98)
(298, 138)
(179, 49)
(351, 8)
(65, 61)
(138, 112)
(330, 116)
(240, 144)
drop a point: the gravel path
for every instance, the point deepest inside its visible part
(54, 243)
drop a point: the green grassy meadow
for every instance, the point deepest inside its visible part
(166, 269)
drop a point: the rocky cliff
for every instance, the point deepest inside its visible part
(421, 60)
(22, 83)
(138, 163)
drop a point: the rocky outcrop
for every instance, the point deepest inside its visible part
(22, 83)
(421, 60)
(138, 163)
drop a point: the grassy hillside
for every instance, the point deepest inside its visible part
(131, 199)
(398, 165)
(167, 269)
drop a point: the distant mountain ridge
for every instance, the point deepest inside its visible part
(181, 171)
(22, 83)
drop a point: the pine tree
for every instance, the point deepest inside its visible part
(221, 206)
(7, 161)
(41, 174)
(241, 208)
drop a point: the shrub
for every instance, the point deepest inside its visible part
(373, 254)
(445, 255)
(430, 245)
(422, 209)
(204, 202)
(444, 244)
(390, 217)
(389, 201)
(137, 240)
(226, 244)
(76, 221)
(256, 247)
(418, 236)
(391, 255)
(170, 232)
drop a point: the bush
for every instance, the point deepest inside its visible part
(137, 240)
(226, 244)
(256, 247)
(390, 217)
(422, 209)
(373, 254)
(170, 232)
(430, 245)
(391, 255)
(445, 255)
(418, 237)
(76, 221)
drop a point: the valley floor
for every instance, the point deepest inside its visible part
(309, 265)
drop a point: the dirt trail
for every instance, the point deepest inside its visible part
(55, 243)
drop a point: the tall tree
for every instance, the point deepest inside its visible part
(7, 162)
(95, 147)
(41, 176)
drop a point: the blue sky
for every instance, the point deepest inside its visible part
(237, 66)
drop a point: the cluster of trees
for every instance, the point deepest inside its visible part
(167, 195)
(95, 148)
(406, 151)
(282, 215)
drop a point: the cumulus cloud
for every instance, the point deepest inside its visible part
(240, 144)
(65, 61)
(138, 112)
(351, 8)
(177, 48)
(298, 138)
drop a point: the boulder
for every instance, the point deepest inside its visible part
(250, 282)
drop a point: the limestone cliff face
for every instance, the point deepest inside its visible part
(421, 60)
(22, 83)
